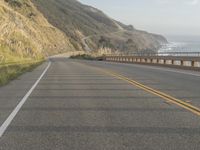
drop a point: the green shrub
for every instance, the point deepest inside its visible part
(14, 3)
(83, 56)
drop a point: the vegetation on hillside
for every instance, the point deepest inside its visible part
(83, 56)
(26, 38)
(34, 29)
(26, 34)
(12, 71)
(77, 21)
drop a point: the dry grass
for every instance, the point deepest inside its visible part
(26, 32)
(10, 72)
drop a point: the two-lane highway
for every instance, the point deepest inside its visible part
(79, 105)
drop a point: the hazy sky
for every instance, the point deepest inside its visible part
(176, 17)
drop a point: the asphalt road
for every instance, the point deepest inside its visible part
(77, 106)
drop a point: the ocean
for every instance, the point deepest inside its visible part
(181, 44)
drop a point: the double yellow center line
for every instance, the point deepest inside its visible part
(160, 94)
(164, 96)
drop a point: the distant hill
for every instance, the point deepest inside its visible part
(35, 28)
(78, 20)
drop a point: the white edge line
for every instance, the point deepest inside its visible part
(175, 71)
(8, 121)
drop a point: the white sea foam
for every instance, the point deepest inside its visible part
(172, 47)
(182, 44)
(189, 48)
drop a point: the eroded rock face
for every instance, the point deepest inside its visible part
(37, 28)
(71, 15)
(26, 33)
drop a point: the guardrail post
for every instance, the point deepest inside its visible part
(193, 63)
(182, 62)
(172, 62)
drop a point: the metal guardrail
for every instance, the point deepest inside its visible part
(184, 54)
(190, 60)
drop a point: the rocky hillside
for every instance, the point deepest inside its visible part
(26, 33)
(77, 21)
(38, 28)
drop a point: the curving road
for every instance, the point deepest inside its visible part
(78, 105)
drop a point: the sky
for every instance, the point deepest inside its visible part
(167, 17)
